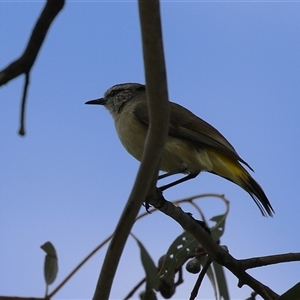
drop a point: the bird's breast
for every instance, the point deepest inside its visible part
(132, 134)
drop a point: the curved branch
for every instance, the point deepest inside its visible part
(159, 122)
(24, 63)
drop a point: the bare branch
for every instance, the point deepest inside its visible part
(159, 121)
(137, 286)
(195, 290)
(23, 64)
(268, 260)
(21, 298)
(23, 105)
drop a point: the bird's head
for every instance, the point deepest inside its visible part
(116, 97)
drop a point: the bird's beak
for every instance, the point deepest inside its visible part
(100, 101)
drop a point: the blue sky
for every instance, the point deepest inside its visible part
(234, 64)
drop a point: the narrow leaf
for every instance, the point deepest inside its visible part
(221, 281)
(149, 294)
(218, 229)
(211, 275)
(149, 267)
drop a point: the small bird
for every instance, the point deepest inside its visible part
(192, 144)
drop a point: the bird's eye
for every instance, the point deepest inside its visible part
(113, 93)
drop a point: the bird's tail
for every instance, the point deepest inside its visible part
(234, 171)
(257, 194)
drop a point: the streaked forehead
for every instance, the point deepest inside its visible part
(123, 86)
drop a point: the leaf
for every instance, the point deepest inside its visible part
(51, 263)
(149, 267)
(218, 229)
(216, 275)
(49, 248)
(292, 293)
(149, 293)
(221, 281)
(181, 248)
(185, 245)
(210, 274)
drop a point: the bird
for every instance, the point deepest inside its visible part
(192, 144)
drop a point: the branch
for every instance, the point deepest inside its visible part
(159, 121)
(137, 286)
(215, 252)
(23, 104)
(268, 260)
(24, 63)
(21, 298)
(195, 290)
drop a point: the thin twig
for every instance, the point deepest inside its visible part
(137, 286)
(23, 104)
(21, 298)
(252, 296)
(195, 290)
(187, 200)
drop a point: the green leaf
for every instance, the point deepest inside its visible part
(185, 245)
(218, 230)
(181, 248)
(292, 293)
(221, 281)
(149, 267)
(51, 263)
(210, 274)
(49, 249)
(216, 276)
(149, 294)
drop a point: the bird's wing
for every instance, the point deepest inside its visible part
(185, 125)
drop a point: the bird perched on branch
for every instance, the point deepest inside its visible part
(192, 144)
